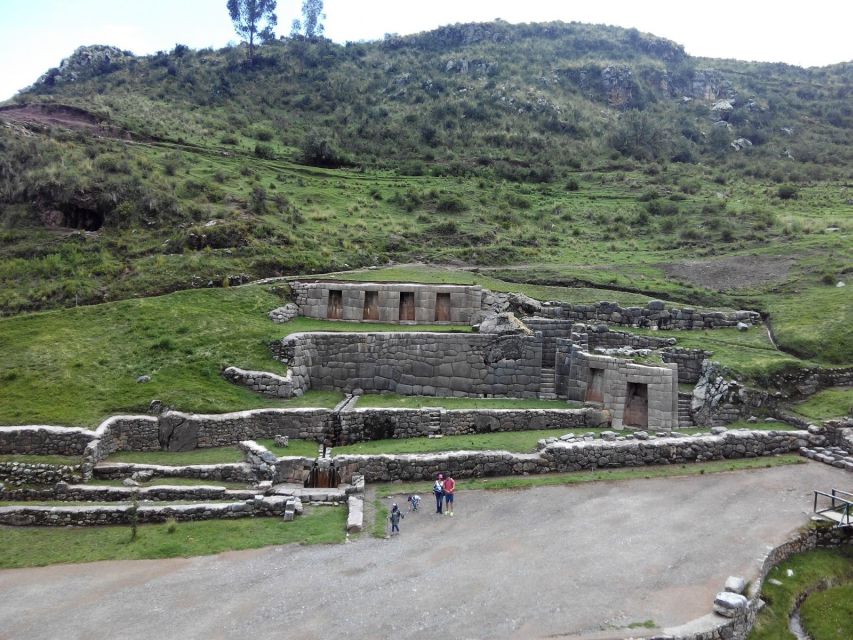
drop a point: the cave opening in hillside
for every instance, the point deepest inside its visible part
(76, 217)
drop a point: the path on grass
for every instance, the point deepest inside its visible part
(587, 559)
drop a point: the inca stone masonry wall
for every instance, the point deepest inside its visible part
(661, 383)
(263, 382)
(445, 364)
(577, 456)
(373, 424)
(19, 473)
(312, 298)
(654, 314)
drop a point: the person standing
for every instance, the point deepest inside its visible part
(438, 490)
(449, 488)
(395, 517)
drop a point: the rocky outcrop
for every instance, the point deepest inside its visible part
(503, 324)
(84, 63)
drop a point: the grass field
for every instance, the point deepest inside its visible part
(36, 547)
(212, 455)
(35, 459)
(829, 403)
(78, 366)
(301, 448)
(828, 615)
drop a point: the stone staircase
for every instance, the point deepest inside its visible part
(434, 424)
(548, 385)
(685, 415)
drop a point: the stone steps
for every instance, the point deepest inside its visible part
(548, 385)
(685, 413)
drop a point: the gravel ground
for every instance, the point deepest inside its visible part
(576, 561)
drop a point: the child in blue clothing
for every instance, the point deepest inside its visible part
(414, 502)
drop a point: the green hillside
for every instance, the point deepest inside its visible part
(554, 154)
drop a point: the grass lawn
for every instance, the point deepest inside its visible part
(576, 477)
(300, 448)
(828, 615)
(212, 455)
(76, 367)
(809, 569)
(748, 353)
(829, 403)
(33, 459)
(514, 441)
(394, 401)
(35, 547)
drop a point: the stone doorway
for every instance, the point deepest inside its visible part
(442, 307)
(335, 309)
(636, 406)
(407, 306)
(595, 386)
(371, 305)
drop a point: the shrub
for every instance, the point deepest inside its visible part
(448, 203)
(264, 151)
(318, 151)
(572, 185)
(787, 192)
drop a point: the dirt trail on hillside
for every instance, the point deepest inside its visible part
(66, 117)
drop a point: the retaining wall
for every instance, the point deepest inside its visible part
(44, 440)
(374, 424)
(263, 382)
(106, 515)
(17, 473)
(439, 364)
(577, 456)
(654, 314)
(236, 472)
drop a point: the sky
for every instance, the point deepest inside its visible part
(36, 35)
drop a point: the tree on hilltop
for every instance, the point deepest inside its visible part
(312, 17)
(248, 16)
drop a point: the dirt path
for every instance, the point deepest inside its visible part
(731, 272)
(583, 561)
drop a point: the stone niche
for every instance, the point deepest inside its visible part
(380, 302)
(638, 395)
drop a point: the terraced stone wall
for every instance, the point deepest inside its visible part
(655, 314)
(44, 440)
(417, 363)
(577, 456)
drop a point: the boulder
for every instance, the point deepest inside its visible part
(735, 584)
(730, 604)
(503, 323)
(742, 326)
(524, 304)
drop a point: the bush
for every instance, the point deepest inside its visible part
(449, 203)
(264, 151)
(787, 192)
(319, 151)
(572, 185)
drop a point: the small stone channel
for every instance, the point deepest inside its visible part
(795, 625)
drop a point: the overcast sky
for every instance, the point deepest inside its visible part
(36, 34)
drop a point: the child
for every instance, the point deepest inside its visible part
(395, 517)
(414, 502)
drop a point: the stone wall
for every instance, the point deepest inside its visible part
(373, 424)
(44, 440)
(185, 431)
(103, 493)
(689, 362)
(654, 314)
(18, 473)
(235, 472)
(312, 298)
(617, 374)
(121, 514)
(577, 456)
(439, 364)
(263, 382)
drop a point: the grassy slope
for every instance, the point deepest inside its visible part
(78, 366)
(828, 615)
(36, 547)
(829, 403)
(394, 401)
